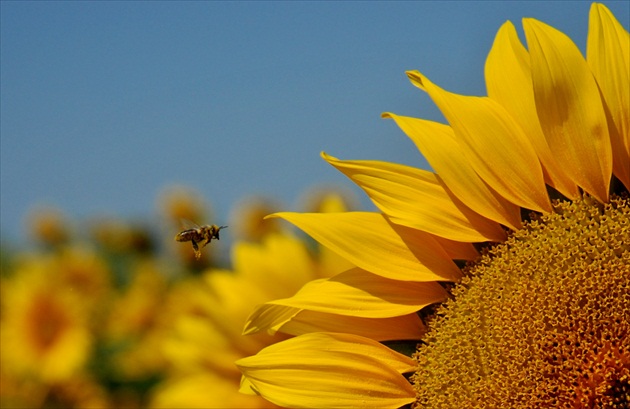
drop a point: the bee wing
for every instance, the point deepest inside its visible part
(187, 224)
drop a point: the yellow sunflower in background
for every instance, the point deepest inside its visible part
(44, 333)
(84, 312)
(538, 170)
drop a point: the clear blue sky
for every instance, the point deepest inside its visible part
(103, 104)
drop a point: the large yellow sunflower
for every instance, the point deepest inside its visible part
(538, 171)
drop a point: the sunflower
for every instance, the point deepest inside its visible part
(514, 251)
(45, 334)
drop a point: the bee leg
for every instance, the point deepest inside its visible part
(196, 249)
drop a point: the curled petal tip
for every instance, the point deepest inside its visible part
(416, 78)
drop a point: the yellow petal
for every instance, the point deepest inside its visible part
(353, 293)
(247, 387)
(608, 55)
(569, 108)
(405, 327)
(438, 145)
(509, 82)
(417, 198)
(293, 321)
(371, 242)
(359, 293)
(329, 370)
(496, 147)
(269, 317)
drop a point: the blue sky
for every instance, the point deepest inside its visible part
(104, 104)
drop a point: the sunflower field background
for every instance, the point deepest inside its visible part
(113, 313)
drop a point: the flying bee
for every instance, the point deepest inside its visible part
(199, 236)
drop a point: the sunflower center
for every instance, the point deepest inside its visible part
(47, 322)
(541, 320)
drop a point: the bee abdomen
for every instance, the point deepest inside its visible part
(186, 235)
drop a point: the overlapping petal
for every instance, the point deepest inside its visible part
(509, 82)
(275, 318)
(495, 146)
(608, 56)
(438, 145)
(569, 108)
(269, 317)
(353, 293)
(359, 293)
(329, 370)
(404, 327)
(371, 242)
(417, 198)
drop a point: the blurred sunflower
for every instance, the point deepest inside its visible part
(83, 317)
(48, 225)
(540, 318)
(207, 335)
(51, 307)
(44, 335)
